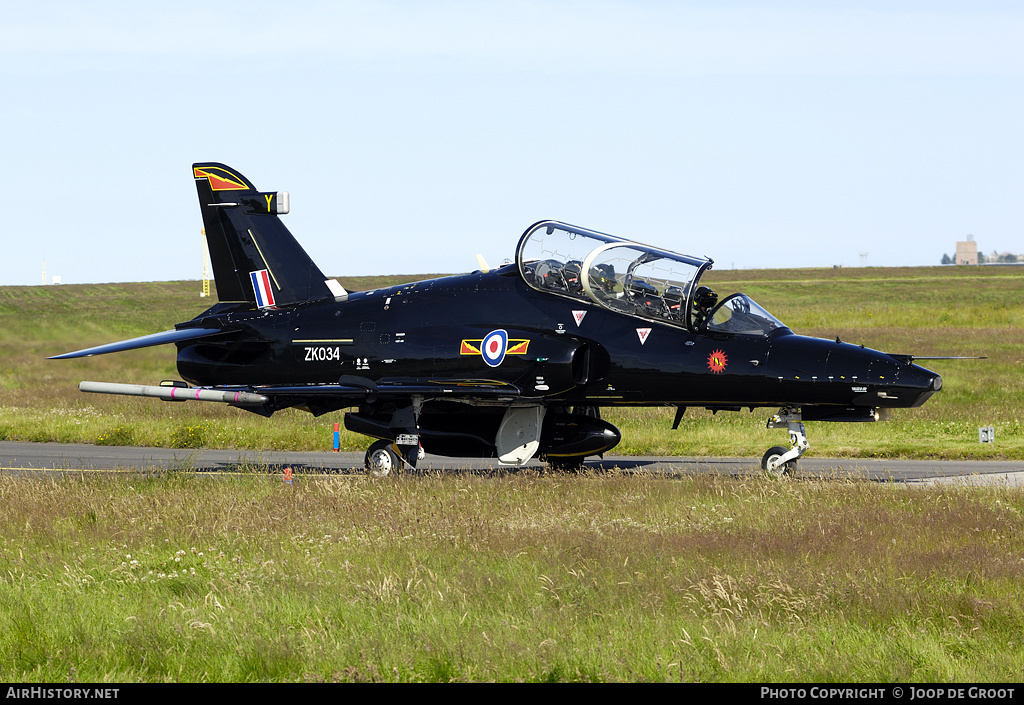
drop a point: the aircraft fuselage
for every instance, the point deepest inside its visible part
(565, 352)
(515, 362)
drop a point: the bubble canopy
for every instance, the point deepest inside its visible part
(612, 272)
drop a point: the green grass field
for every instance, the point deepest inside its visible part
(516, 576)
(924, 311)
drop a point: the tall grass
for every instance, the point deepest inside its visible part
(507, 577)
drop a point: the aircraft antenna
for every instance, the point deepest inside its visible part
(206, 267)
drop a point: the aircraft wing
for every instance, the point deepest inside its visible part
(363, 389)
(348, 389)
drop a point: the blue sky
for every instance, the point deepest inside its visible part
(414, 135)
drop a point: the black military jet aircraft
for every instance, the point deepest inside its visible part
(511, 363)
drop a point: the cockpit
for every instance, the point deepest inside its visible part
(628, 277)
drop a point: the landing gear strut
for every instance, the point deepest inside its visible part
(778, 460)
(390, 456)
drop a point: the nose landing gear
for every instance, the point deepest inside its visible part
(779, 460)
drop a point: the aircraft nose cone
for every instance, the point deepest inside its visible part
(916, 376)
(925, 382)
(818, 371)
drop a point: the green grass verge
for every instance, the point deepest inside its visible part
(516, 577)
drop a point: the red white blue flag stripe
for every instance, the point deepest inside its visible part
(261, 285)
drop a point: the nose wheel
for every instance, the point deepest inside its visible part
(779, 460)
(771, 462)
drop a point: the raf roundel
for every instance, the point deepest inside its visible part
(493, 347)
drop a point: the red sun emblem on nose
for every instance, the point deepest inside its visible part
(717, 361)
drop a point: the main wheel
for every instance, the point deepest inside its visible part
(773, 453)
(382, 460)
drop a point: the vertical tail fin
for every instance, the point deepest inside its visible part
(254, 257)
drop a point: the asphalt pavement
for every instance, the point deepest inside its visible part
(31, 458)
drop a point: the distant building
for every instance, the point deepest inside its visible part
(966, 252)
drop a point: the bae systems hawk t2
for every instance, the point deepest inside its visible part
(511, 363)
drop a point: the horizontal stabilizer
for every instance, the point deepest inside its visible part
(167, 336)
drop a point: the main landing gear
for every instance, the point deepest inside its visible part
(383, 460)
(386, 457)
(779, 460)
